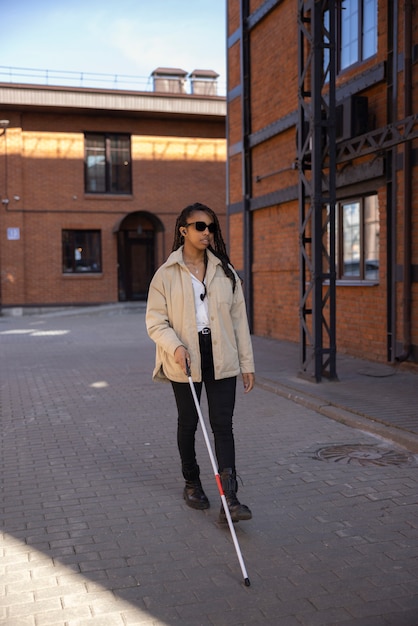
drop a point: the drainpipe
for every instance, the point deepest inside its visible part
(4, 124)
(407, 185)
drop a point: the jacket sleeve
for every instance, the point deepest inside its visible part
(157, 318)
(242, 331)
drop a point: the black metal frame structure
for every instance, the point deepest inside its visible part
(318, 155)
(246, 156)
(316, 158)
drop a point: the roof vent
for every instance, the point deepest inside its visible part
(204, 83)
(169, 80)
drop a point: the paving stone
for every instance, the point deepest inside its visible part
(95, 530)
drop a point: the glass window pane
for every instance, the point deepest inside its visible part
(351, 239)
(349, 33)
(326, 50)
(369, 28)
(67, 251)
(87, 251)
(371, 238)
(120, 168)
(95, 164)
(81, 251)
(337, 240)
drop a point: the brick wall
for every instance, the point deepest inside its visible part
(174, 163)
(362, 310)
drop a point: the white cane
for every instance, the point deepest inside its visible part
(218, 479)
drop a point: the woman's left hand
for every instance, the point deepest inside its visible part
(249, 381)
(182, 358)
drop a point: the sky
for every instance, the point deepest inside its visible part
(119, 37)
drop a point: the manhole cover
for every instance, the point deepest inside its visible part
(363, 454)
(377, 371)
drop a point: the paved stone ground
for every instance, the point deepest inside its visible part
(387, 396)
(94, 528)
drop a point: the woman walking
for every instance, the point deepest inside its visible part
(196, 315)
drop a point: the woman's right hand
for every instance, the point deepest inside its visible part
(182, 358)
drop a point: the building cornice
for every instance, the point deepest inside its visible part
(85, 99)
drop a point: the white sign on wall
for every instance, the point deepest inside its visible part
(13, 234)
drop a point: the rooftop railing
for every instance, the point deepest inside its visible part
(64, 78)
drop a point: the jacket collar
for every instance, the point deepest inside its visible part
(177, 257)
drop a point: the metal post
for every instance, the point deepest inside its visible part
(246, 159)
(317, 160)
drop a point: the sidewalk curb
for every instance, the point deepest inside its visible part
(62, 311)
(342, 414)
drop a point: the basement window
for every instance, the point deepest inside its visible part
(81, 251)
(107, 163)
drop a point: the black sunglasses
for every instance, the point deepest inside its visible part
(202, 226)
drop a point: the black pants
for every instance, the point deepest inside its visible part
(221, 403)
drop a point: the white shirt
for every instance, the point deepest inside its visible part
(201, 306)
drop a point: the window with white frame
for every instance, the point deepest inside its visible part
(357, 239)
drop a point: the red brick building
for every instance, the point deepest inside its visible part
(92, 180)
(376, 173)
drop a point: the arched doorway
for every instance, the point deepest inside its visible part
(137, 235)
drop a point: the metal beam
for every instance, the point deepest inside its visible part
(246, 157)
(378, 140)
(316, 157)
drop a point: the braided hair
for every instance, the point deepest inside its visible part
(218, 248)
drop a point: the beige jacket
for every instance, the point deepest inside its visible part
(171, 321)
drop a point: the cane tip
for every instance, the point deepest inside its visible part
(247, 582)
